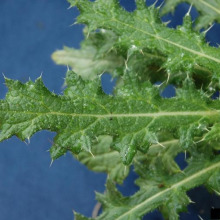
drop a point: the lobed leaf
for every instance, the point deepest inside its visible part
(134, 116)
(142, 29)
(99, 53)
(95, 56)
(209, 10)
(170, 197)
(145, 129)
(103, 159)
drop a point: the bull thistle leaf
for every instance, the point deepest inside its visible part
(209, 10)
(95, 57)
(99, 53)
(168, 193)
(183, 47)
(133, 117)
(104, 159)
(135, 127)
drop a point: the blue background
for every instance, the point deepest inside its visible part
(29, 188)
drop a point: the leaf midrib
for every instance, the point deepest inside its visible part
(124, 115)
(169, 42)
(176, 185)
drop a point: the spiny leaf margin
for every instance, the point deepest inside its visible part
(209, 10)
(133, 116)
(143, 29)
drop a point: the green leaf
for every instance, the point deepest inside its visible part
(95, 56)
(135, 125)
(100, 53)
(177, 203)
(160, 158)
(133, 116)
(103, 159)
(213, 136)
(170, 197)
(209, 10)
(213, 183)
(214, 133)
(77, 216)
(142, 29)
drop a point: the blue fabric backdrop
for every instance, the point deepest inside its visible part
(29, 188)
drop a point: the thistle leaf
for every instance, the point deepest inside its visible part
(142, 29)
(171, 195)
(209, 10)
(95, 56)
(136, 125)
(133, 116)
(77, 216)
(213, 183)
(103, 159)
(160, 158)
